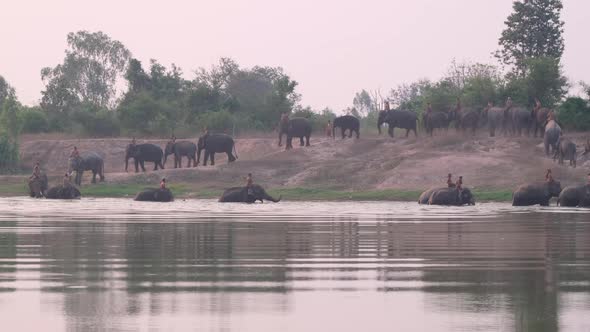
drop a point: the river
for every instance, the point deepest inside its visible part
(115, 264)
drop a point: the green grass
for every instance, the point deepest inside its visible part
(123, 190)
(493, 195)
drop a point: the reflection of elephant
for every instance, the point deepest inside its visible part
(521, 119)
(296, 127)
(142, 153)
(495, 118)
(437, 120)
(539, 118)
(552, 134)
(447, 196)
(468, 120)
(89, 161)
(346, 122)
(181, 149)
(216, 143)
(38, 186)
(536, 193)
(398, 119)
(155, 195)
(241, 195)
(61, 192)
(573, 196)
(566, 149)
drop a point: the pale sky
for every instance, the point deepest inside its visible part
(332, 48)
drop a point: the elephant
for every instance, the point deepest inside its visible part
(398, 119)
(447, 196)
(296, 127)
(38, 186)
(181, 149)
(214, 143)
(573, 196)
(496, 118)
(539, 117)
(552, 134)
(61, 192)
(521, 119)
(240, 195)
(154, 195)
(566, 149)
(436, 120)
(142, 153)
(468, 120)
(536, 193)
(346, 122)
(89, 161)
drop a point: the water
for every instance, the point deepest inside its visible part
(114, 264)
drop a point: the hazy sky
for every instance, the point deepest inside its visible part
(332, 48)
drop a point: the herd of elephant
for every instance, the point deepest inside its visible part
(524, 195)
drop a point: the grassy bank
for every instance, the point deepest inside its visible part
(291, 194)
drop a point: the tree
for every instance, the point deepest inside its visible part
(88, 75)
(6, 91)
(363, 103)
(533, 30)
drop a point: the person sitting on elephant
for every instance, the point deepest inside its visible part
(459, 184)
(163, 183)
(75, 153)
(249, 183)
(67, 180)
(36, 172)
(133, 141)
(508, 102)
(450, 182)
(428, 108)
(329, 128)
(551, 116)
(386, 105)
(548, 176)
(284, 117)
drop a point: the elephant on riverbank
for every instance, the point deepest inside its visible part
(398, 119)
(154, 195)
(447, 196)
(539, 119)
(142, 153)
(61, 192)
(346, 122)
(181, 149)
(216, 143)
(437, 120)
(520, 120)
(566, 149)
(496, 119)
(468, 120)
(552, 134)
(38, 186)
(295, 127)
(536, 193)
(573, 196)
(89, 161)
(240, 195)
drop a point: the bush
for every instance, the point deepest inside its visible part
(34, 121)
(8, 154)
(574, 114)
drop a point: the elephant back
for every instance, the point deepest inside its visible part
(347, 121)
(61, 192)
(425, 196)
(149, 152)
(552, 125)
(571, 196)
(155, 195)
(184, 147)
(299, 125)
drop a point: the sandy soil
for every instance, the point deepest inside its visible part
(365, 164)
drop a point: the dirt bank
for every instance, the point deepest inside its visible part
(371, 163)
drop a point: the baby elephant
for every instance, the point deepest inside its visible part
(566, 149)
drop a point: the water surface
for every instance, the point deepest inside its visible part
(115, 264)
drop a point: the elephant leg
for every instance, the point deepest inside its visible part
(349, 133)
(93, 176)
(301, 142)
(212, 158)
(289, 146)
(390, 131)
(342, 133)
(358, 134)
(136, 165)
(142, 164)
(307, 140)
(280, 138)
(407, 133)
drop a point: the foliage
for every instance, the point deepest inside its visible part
(8, 153)
(34, 120)
(363, 103)
(6, 91)
(533, 30)
(574, 114)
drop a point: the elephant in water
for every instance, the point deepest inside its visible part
(63, 192)
(346, 122)
(142, 153)
(216, 143)
(89, 161)
(398, 119)
(181, 149)
(38, 186)
(552, 134)
(295, 127)
(447, 196)
(573, 196)
(240, 195)
(536, 193)
(566, 149)
(155, 195)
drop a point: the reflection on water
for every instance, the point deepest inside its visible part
(108, 264)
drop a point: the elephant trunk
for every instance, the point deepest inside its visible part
(334, 131)
(272, 199)
(199, 149)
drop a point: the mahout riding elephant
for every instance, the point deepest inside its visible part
(142, 153)
(552, 134)
(437, 120)
(573, 196)
(38, 186)
(63, 192)
(539, 118)
(447, 196)
(181, 149)
(496, 118)
(295, 127)
(566, 149)
(468, 120)
(521, 119)
(240, 195)
(346, 122)
(87, 161)
(154, 195)
(398, 119)
(216, 143)
(536, 193)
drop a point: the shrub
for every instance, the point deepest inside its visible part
(34, 121)
(8, 154)
(574, 114)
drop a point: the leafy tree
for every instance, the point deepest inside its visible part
(574, 113)
(363, 103)
(533, 30)
(6, 91)
(88, 75)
